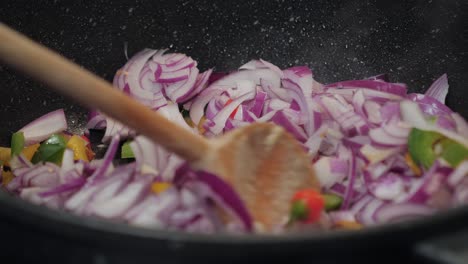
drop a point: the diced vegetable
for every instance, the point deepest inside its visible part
(5, 155)
(78, 145)
(7, 176)
(453, 152)
(307, 206)
(421, 146)
(17, 143)
(332, 202)
(126, 152)
(380, 154)
(159, 187)
(51, 150)
(30, 150)
(426, 146)
(350, 225)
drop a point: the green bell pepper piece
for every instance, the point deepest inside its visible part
(51, 150)
(17, 143)
(126, 152)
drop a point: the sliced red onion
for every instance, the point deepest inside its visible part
(120, 203)
(216, 76)
(275, 92)
(412, 114)
(344, 114)
(460, 194)
(96, 120)
(102, 188)
(261, 64)
(223, 194)
(114, 128)
(107, 161)
(200, 83)
(281, 119)
(340, 190)
(156, 211)
(132, 76)
(259, 101)
(65, 188)
(368, 93)
(460, 173)
(433, 181)
(173, 76)
(222, 116)
(382, 138)
(429, 105)
(439, 89)
(379, 85)
(304, 102)
(181, 89)
(387, 187)
(461, 124)
(396, 212)
(367, 215)
(255, 76)
(358, 103)
(340, 216)
(151, 156)
(330, 171)
(43, 127)
(253, 65)
(198, 106)
(68, 162)
(372, 110)
(172, 113)
(390, 110)
(20, 161)
(376, 154)
(352, 174)
(356, 142)
(361, 203)
(50, 178)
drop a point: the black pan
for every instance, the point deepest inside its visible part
(415, 41)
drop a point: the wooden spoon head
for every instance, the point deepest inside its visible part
(266, 166)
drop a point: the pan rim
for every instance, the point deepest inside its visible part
(40, 216)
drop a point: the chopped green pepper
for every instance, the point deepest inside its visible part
(51, 150)
(17, 143)
(426, 146)
(332, 202)
(453, 152)
(127, 152)
(421, 146)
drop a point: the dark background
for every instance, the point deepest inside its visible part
(415, 41)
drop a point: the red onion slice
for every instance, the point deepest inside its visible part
(439, 89)
(43, 127)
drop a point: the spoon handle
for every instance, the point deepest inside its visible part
(93, 92)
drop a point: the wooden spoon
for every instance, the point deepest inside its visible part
(263, 163)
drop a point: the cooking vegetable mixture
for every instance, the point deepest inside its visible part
(380, 154)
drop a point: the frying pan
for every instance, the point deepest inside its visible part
(414, 41)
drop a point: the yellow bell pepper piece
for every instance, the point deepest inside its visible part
(200, 127)
(28, 152)
(7, 176)
(78, 145)
(5, 155)
(350, 225)
(159, 187)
